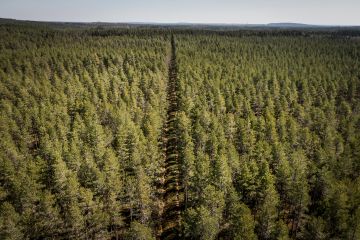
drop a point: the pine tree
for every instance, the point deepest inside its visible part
(241, 220)
(10, 226)
(267, 213)
(298, 193)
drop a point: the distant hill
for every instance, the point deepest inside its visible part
(291, 25)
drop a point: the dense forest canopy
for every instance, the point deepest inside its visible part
(170, 133)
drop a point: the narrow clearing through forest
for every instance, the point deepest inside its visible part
(171, 186)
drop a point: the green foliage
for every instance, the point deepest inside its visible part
(80, 121)
(10, 226)
(286, 105)
(267, 133)
(138, 231)
(241, 221)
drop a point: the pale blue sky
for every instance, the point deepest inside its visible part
(331, 12)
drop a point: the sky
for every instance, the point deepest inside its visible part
(324, 12)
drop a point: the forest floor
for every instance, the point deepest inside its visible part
(171, 187)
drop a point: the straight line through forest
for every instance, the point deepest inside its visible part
(170, 214)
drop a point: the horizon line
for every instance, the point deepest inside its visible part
(184, 23)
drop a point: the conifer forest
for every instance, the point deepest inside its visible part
(158, 132)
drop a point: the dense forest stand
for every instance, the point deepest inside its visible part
(171, 191)
(102, 138)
